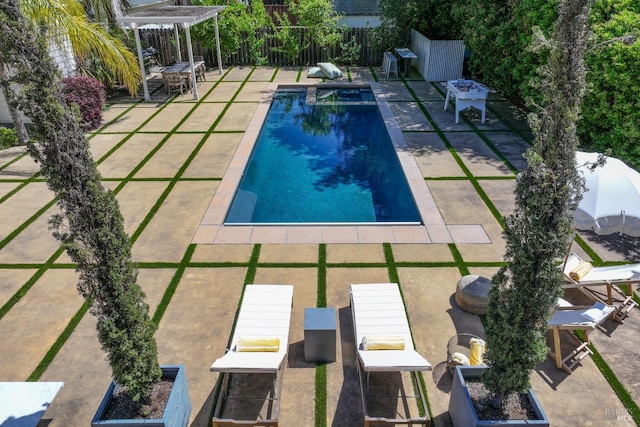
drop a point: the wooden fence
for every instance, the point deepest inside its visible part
(163, 40)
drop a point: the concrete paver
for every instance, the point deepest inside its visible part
(202, 117)
(123, 162)
(197, 324)
(214, 156)
(171, 229)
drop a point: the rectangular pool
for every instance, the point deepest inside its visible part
(323, 156)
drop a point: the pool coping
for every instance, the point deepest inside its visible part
(213, 230)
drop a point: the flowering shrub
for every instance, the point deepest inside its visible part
(8, 137)
(89, 96)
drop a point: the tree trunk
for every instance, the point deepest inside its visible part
(16, 117)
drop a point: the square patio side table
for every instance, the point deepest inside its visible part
(406, 56)
(320, 334)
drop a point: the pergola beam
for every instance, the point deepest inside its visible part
(187, 16)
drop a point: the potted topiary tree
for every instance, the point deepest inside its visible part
(90, 225)
(539, 231)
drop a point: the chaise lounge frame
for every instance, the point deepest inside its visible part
(569, 317)
(377, 308)
(609, 277)
(265, 312)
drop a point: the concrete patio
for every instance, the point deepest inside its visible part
(167, 159)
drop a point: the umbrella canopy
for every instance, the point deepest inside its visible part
(611, 201)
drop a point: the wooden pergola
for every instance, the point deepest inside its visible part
(186, 16)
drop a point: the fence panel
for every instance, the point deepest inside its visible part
(438, 60)
(163, 40)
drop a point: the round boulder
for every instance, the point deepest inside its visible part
(472, 293)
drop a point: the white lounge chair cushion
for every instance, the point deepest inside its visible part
(265, 313)
(378, 311)
(393, 360)
(597, 312)
(602, 274)
(330, 70)
(570, 318)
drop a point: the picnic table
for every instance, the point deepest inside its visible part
(406, 56)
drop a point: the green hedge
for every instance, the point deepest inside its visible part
(499, 35)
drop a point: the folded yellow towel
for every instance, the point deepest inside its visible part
(580, 271)
(383, 343)
(258, 344)
(477, 351)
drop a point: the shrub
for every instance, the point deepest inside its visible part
(8, 137)
(350, 52)
(88, 94)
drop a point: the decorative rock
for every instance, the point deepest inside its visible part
(472, 294)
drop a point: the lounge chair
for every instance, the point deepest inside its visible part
(588, 279)
(259, 346)
(575, 318)
(384, 343)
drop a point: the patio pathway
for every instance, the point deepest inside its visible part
(166, 160)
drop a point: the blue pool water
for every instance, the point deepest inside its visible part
(329, 161)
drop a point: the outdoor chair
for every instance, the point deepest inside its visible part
(384, 345)
(175, 82)
(258, 346)
(575, 318)
(593, 280)
(200, 68)
(389, 64)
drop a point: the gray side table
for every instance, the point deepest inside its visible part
(320, 334)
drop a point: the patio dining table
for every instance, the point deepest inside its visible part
(184, 68)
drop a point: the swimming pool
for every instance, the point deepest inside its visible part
(323, 156)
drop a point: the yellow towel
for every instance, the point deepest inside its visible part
(258, 344)
(383, 343)
(477, 351)
(580, 271)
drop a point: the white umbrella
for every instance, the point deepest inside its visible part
(611, 201)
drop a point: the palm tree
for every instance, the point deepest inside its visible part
(67, 18)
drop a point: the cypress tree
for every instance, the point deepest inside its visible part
(540, 230)
(89, 226)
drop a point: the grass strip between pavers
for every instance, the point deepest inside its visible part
(486, 140)
(25, 288)
(464, 270)
(322, 276)
(390, 263)
(57, 345)
(26, 224)
(452, 151)
(10, 162)
(395, 278)
(173, 285)
(248, 279)
(321, 369)
(610, 376)
(321, 396)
